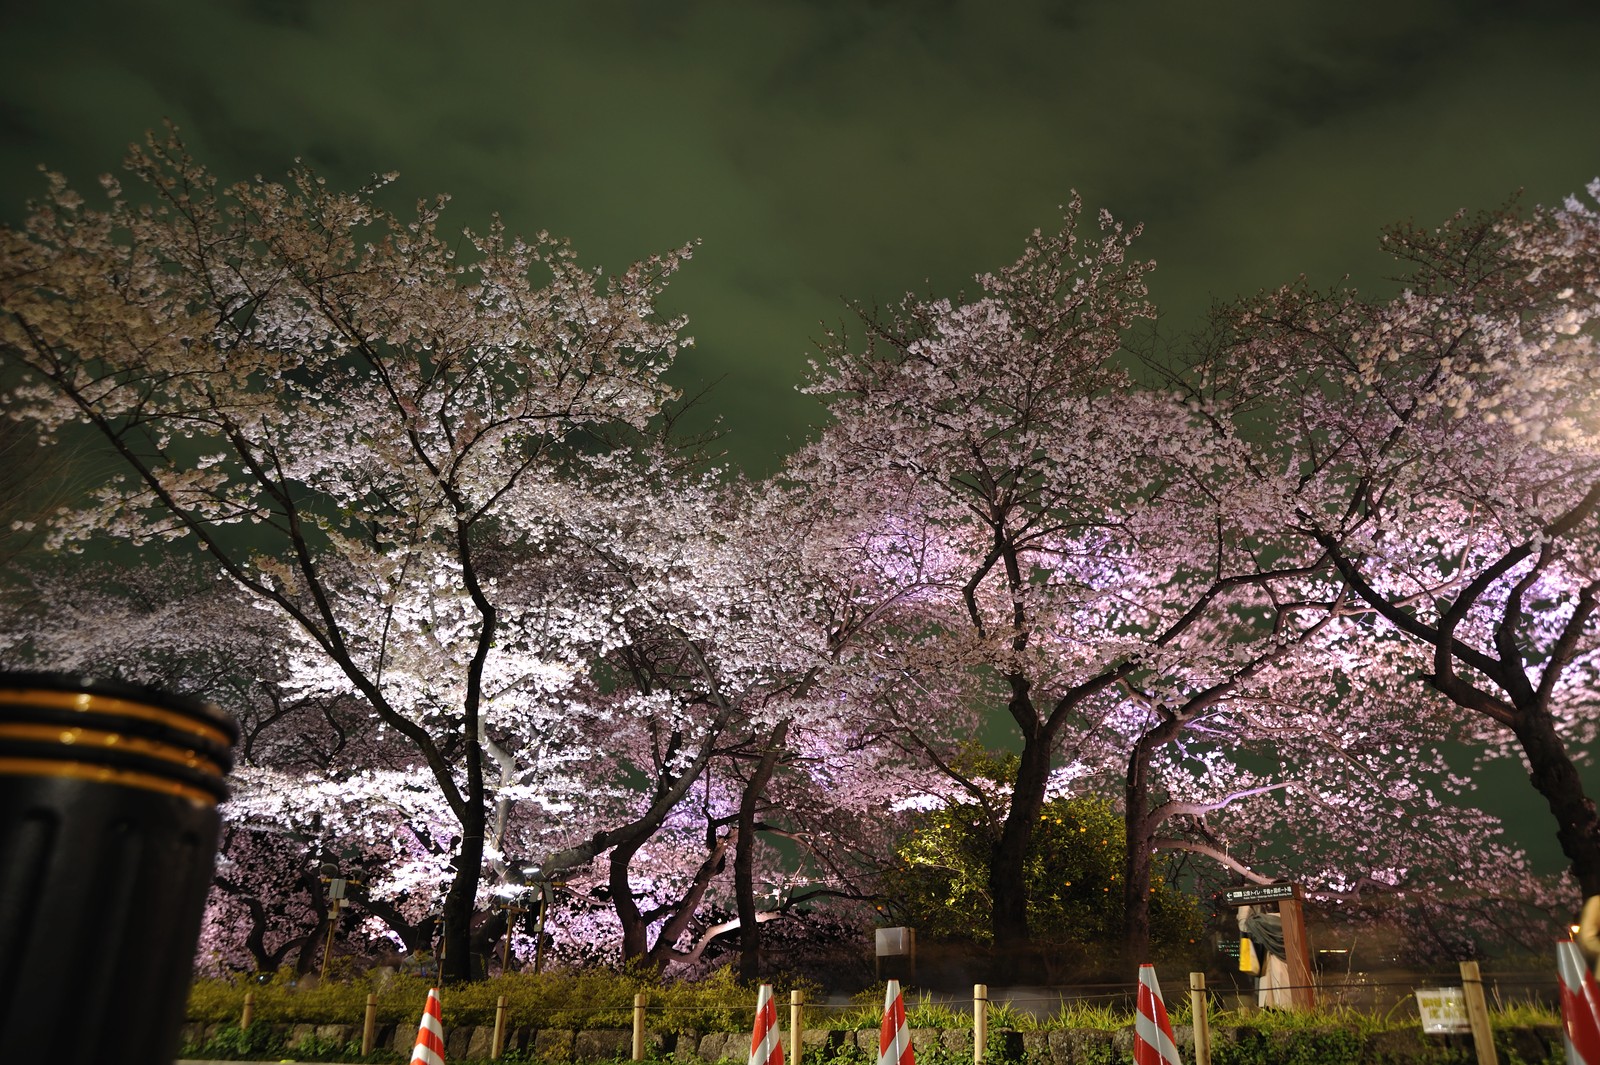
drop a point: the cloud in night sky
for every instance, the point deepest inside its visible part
(833, 150)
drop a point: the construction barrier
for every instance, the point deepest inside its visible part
(430, 1033)
(1153, 1042)
(1580, 1006)
(766, 1048)
(894, 1038)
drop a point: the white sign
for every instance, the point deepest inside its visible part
(1258, 893)
(893, 942)
(1443, 1010)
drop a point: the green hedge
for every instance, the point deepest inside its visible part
(578, 999)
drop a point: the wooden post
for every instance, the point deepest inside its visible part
(247, 1014)
(1478, 1013)
(498, 1046)
(638, 1026)
(369, 1025)
(980, 1021)
(333, 924)
(797, 1026)
(1301, 992)
(1200, 1013)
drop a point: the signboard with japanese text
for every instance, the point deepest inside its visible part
(1247, 896)
(1443, 1010)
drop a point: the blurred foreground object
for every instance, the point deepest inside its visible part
(108, 833)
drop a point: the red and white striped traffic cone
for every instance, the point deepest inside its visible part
(1580, 1006)
(1153, 1043)
(894, 1038)
(430, 1033)
(765, 1046)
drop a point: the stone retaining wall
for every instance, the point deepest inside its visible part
(1069, 1046)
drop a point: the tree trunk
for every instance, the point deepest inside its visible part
(744, 855)
(461, 900)
(1007, 881)
(415, 937)
(1551, 770)
(1138, 834)
(636, 945)
(635, 928)
(680, 913)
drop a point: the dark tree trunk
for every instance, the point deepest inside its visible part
(1139, 833)
(1007, 881)
(744, 855)
(459, 903)
(267, 961)
(635, 927)
(1553, 774)
(487, 936)
(636, 945)
(416, 937)
(311, 949)
(310, 952)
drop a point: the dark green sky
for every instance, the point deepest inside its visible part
(846, 149)
(830, 150)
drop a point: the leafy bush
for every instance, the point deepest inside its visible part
(283, 999)
(577, 998)
(940, 880)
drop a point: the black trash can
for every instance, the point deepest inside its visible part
(108, 836)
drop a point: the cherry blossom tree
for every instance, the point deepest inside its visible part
(1109, 564)
(1440, 449)
(986, 418)
(717, 655)
(362, 429)
(1061, 533)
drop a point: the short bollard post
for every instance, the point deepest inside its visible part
(247, 1014)
(638, 1026)
(1200, 1012)
(980, 1021)
(498, 1046)
(1478, 1013)
(797, 1001)
(369, 1025)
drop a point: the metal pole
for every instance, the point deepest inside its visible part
(369, 1025)
(443, 942)
(538, 935)
(327, 948)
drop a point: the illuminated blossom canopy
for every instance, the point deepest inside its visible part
(489, 622)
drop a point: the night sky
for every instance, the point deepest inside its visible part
(826, 151)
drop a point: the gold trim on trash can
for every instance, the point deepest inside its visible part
(99, 738)
(88, 702)
(105, 774)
